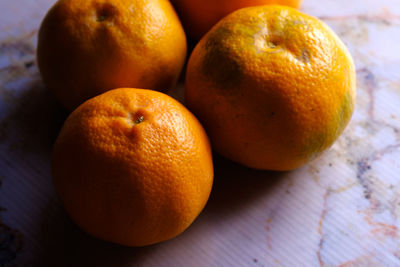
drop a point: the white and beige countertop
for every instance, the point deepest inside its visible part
(343, 209)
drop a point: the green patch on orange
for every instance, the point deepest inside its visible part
(320, 141)
(219, 63)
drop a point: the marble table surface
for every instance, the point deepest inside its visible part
(343, 209)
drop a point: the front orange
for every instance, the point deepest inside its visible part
(272, 86)
(133, 167)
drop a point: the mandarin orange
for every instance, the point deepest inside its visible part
(272, 86)
(199, 16)
(86, 47)
(133, 167)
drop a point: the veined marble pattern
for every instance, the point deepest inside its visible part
(342, 209)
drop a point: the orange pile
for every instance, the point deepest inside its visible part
(272, 86)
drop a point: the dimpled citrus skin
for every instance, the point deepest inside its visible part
(133, 167)
(200, 15)
(86, 47)
(272, 86)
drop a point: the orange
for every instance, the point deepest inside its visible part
(133, 167)
(200, 15)
(87, 47)
(272, 86)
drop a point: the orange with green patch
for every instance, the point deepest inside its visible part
(272, 86)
